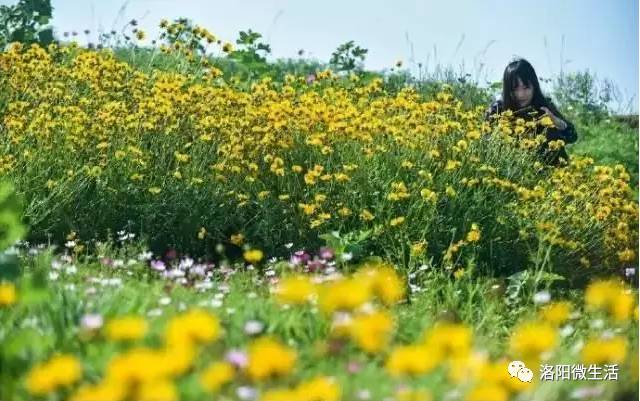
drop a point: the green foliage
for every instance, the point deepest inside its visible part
(11, 228)
(583, 96)
(26, 22)
(348, 57)
(251, 55)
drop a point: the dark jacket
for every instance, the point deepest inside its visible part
(568, 135)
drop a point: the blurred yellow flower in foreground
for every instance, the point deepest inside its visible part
(601, 351)
(556, 313)
(296, 289)
(59, 371)
(216, 376)
(343, 294)
(412, 360)
(193, 327)
(7, 294)
(610, 296)
(372, 332)
(128, 328)
(530, 340)
(267, 357)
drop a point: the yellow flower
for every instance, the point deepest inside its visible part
(136, 366)
(612, 297)
(366, 215)
(474, 234)
(372, 332)
(178, 357)
(396, 221)
(449, 338)
(128, 328)
(193, 327)
(7, 294)
(280, 395)
(556, 313)
(295, 290)
(343, 294)
(253, 255)
(267, 357)
(319, 389)
(216, 376)
(163, 390)
(531, 339)
(450, 191)
(429, 195)
(155, 190)
(383, 281)
(237, 239)
(59, 371)
(412, 360)
(418, 248)
(227, 47)
(140, 35)
(601, 351)
(488, 392)
(105, 391)
(202, 233)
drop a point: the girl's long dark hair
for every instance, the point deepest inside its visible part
(520, 68)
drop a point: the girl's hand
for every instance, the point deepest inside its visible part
(561, 125)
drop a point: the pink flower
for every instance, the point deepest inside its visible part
(311, 79)
(237, 358)
(353, 367)
(158, 265)
(299, 257)
(326, 253)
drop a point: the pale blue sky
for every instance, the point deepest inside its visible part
(601, 36)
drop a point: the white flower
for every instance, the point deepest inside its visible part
(347, 256)
(70, 244)
(203, 285)
(72, 269)
(185, 263)
(566, 331)
(91, 321)
(117, 263)
(216, 303)
(55, 264)
(154, 312)
(246, 393)
(253, 327)
(164, 301)
(145, 256)
(114, 282)
(541, 297)
(53, 276)
(289, 245)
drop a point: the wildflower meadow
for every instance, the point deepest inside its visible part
(183, 220)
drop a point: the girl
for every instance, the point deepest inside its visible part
(522, 95)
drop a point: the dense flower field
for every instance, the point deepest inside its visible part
(334, 241)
